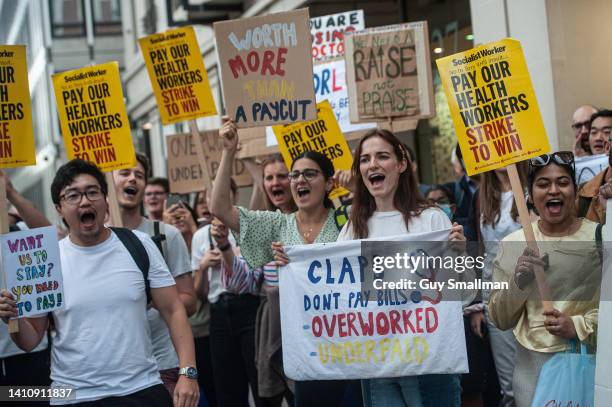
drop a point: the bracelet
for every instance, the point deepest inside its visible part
(225, 247)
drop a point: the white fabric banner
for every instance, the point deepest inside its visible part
(589, 166)
(331, 329)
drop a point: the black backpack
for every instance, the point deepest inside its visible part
(138, 252)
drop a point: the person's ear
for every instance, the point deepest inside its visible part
(403, 165)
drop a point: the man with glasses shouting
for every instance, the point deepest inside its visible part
(580, 126)
(592, 196)
(102, 348)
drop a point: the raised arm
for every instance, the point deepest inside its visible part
(28, 212)
(31, 330)
(219, 205)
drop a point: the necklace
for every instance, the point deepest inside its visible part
(307, 235)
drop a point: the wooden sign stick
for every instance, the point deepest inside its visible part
(13, 325)
(193, 126)
(113, 203)
(521, 205)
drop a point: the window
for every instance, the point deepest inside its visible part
(67, 18)
(106, 17)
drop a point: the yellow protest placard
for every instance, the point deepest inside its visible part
(493, 106)
(322, 134)
(16, 131)
(178, 75)
(92, 115)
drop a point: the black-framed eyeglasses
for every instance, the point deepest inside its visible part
(560, 157)
(309, 174)
(75, 197)
(578, 126)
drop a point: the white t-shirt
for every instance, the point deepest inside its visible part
(199, 245)
(392, 223)
(177, 259)
(491, 236)
(103, 346)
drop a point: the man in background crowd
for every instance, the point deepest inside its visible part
(580, 127)
(592, 196)
(155, 194)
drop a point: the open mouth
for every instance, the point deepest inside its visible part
(130, 190)
(278, 192)
(303, 192)
(376, 179)
(88, 218)
(554, 206)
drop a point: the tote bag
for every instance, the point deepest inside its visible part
(567, 379)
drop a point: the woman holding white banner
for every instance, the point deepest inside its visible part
(313, 222)
(387, 202)
(572, 268)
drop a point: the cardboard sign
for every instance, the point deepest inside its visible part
(31, 261)
(16, 131)
(330, 85)
(388, 72)
(184, 171)
(333, 328)
(178, 75)
(589, 166)
(92, 115)
(493, 105)
(322, 135)
(328, 32)
(264, 63)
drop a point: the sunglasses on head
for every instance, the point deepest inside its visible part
(560, 157)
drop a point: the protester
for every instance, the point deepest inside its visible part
(273, 385)
(423, 188)
(232, 315)
(491, 351)
(463, 190)
(19, 368)
(593, 195)
(184, 218)
(313, 222)
(200, 206)
(387, 202)
(130, 186)
(580, 126)
(600, 128)
(155, 194)
(571, 270)
(102, 348)
(443, 198)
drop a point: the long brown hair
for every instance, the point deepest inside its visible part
(408, 199)
(490, 195)
(272, 159)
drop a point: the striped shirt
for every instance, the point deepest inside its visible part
(242, 279)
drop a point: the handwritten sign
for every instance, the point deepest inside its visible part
(184, 171)
(328, 32)
(335, 328)
(388, 72)
(589, 166)
(31, 261)
(178, 75)
(264, 61)
(92, 115)
(493, 105)
(330, 85)
(322, 135)
(16, 131)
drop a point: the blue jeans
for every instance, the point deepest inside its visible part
(413, 391)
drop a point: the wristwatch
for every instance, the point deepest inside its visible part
(189, 372)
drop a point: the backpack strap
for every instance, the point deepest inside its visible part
(159, 238)
(583, 205)
(138, 252)
(598, 233)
